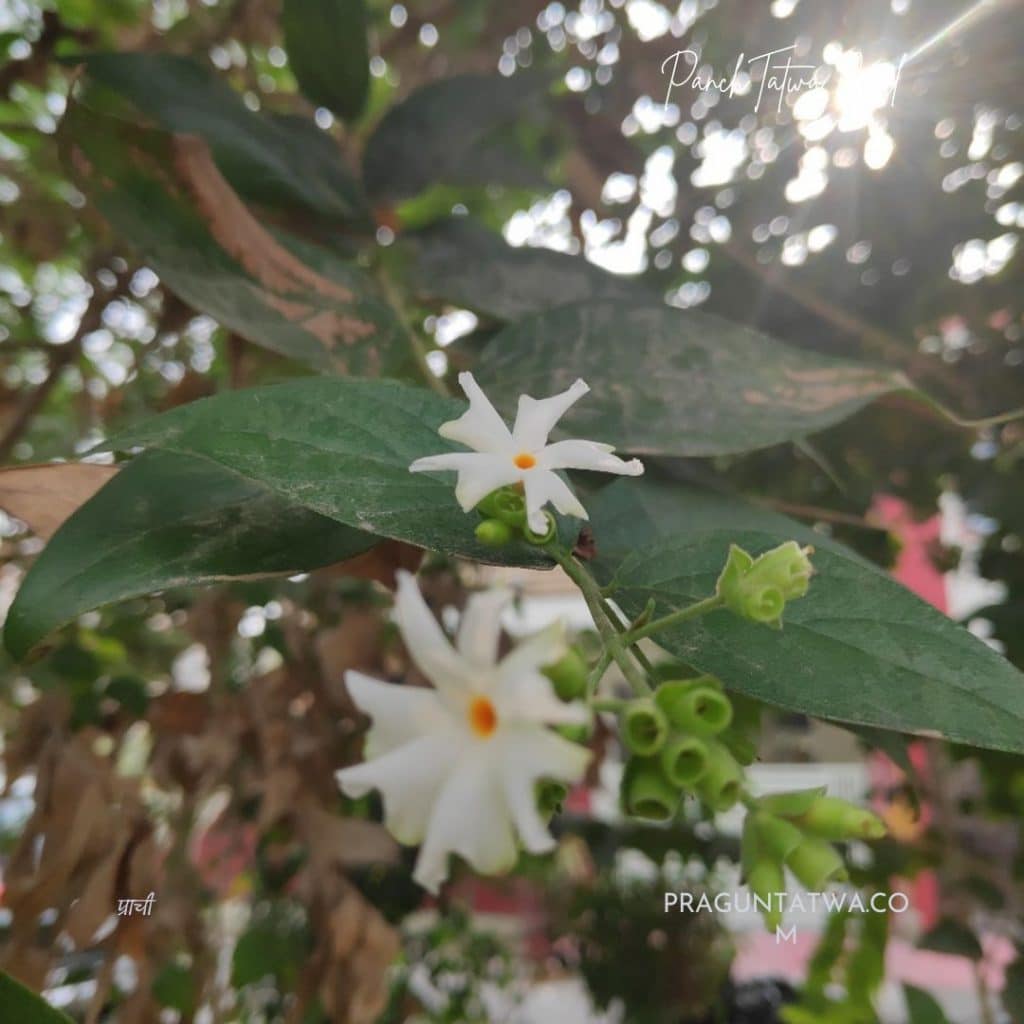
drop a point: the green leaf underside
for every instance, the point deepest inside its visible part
(340, 447)
(463, 262)
(951, 937)
(430, 137)
(168, 520)
(922, 1007)
(675, 382)
(274, 160)
(327, 52)
(291, 297)
(858, 648)
(24, 1006)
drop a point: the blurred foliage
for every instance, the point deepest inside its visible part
(187, 741)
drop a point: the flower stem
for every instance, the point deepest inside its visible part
(608, 704)
(416, 346)
(624, 628)
(692, 611)
(613, 639)
(597, 674)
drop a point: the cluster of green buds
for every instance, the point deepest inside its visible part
(680, 741)
(568, 676)
(758, 588)
(504, 519)
(796, 831)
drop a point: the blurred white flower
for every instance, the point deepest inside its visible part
(457, 766)
(522, 455)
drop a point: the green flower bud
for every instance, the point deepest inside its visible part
(550, 796)
(506, 504)
(643, 726)
(751, 853)
(720, 785)
(493, 532)
(787, 568)
(816, 863)
(580, 733)
(831, 818)
(776, 837)
(746, 713)
(790, 805)
(764, 880)
(541, 538)
(758, 589)
(684, 759)
(569, 675)
(741, 747)
(694, 706)
(646, 793)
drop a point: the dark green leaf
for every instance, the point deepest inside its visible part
(950, 936)
(892, 744)
(277, 161)
(164, 195)
(130, 692)
(922, 1008)
(858, 648)
(431, 136)
(273, 946)
(339, 447)
(1013, 991)
(676, 382)
(175, 987)
(327, 52)
(463, 262)
(24, 1006)
(986, 892)
(167, 520)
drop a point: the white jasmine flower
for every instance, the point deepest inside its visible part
(522, 455)
(457, 766)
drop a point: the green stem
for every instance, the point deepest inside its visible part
(416, 345)
(624, 628)
(693, 611)
(608, 704)
(613, 639)
(597, 674)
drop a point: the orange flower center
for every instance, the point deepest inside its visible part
(524, 460)
(483, 719)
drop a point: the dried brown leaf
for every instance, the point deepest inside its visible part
(238, 232)
(343, 842)
(380, 563)
(96, 903)
(354, 643)
(44, 495)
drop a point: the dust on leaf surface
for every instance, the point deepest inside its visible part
(676, 382)
(859, 647)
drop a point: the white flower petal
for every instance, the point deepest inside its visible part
(480, 628)
(542, 486)
(399, 714)
(409, 779)
(470, 818)
(427, 644)
(537, 416)
(544, 647)
(550, 756)
(521, 797)
(450, 460)
(479, 427)
(530, 697)
(531, 754)
(587, 455)
(488, 474)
